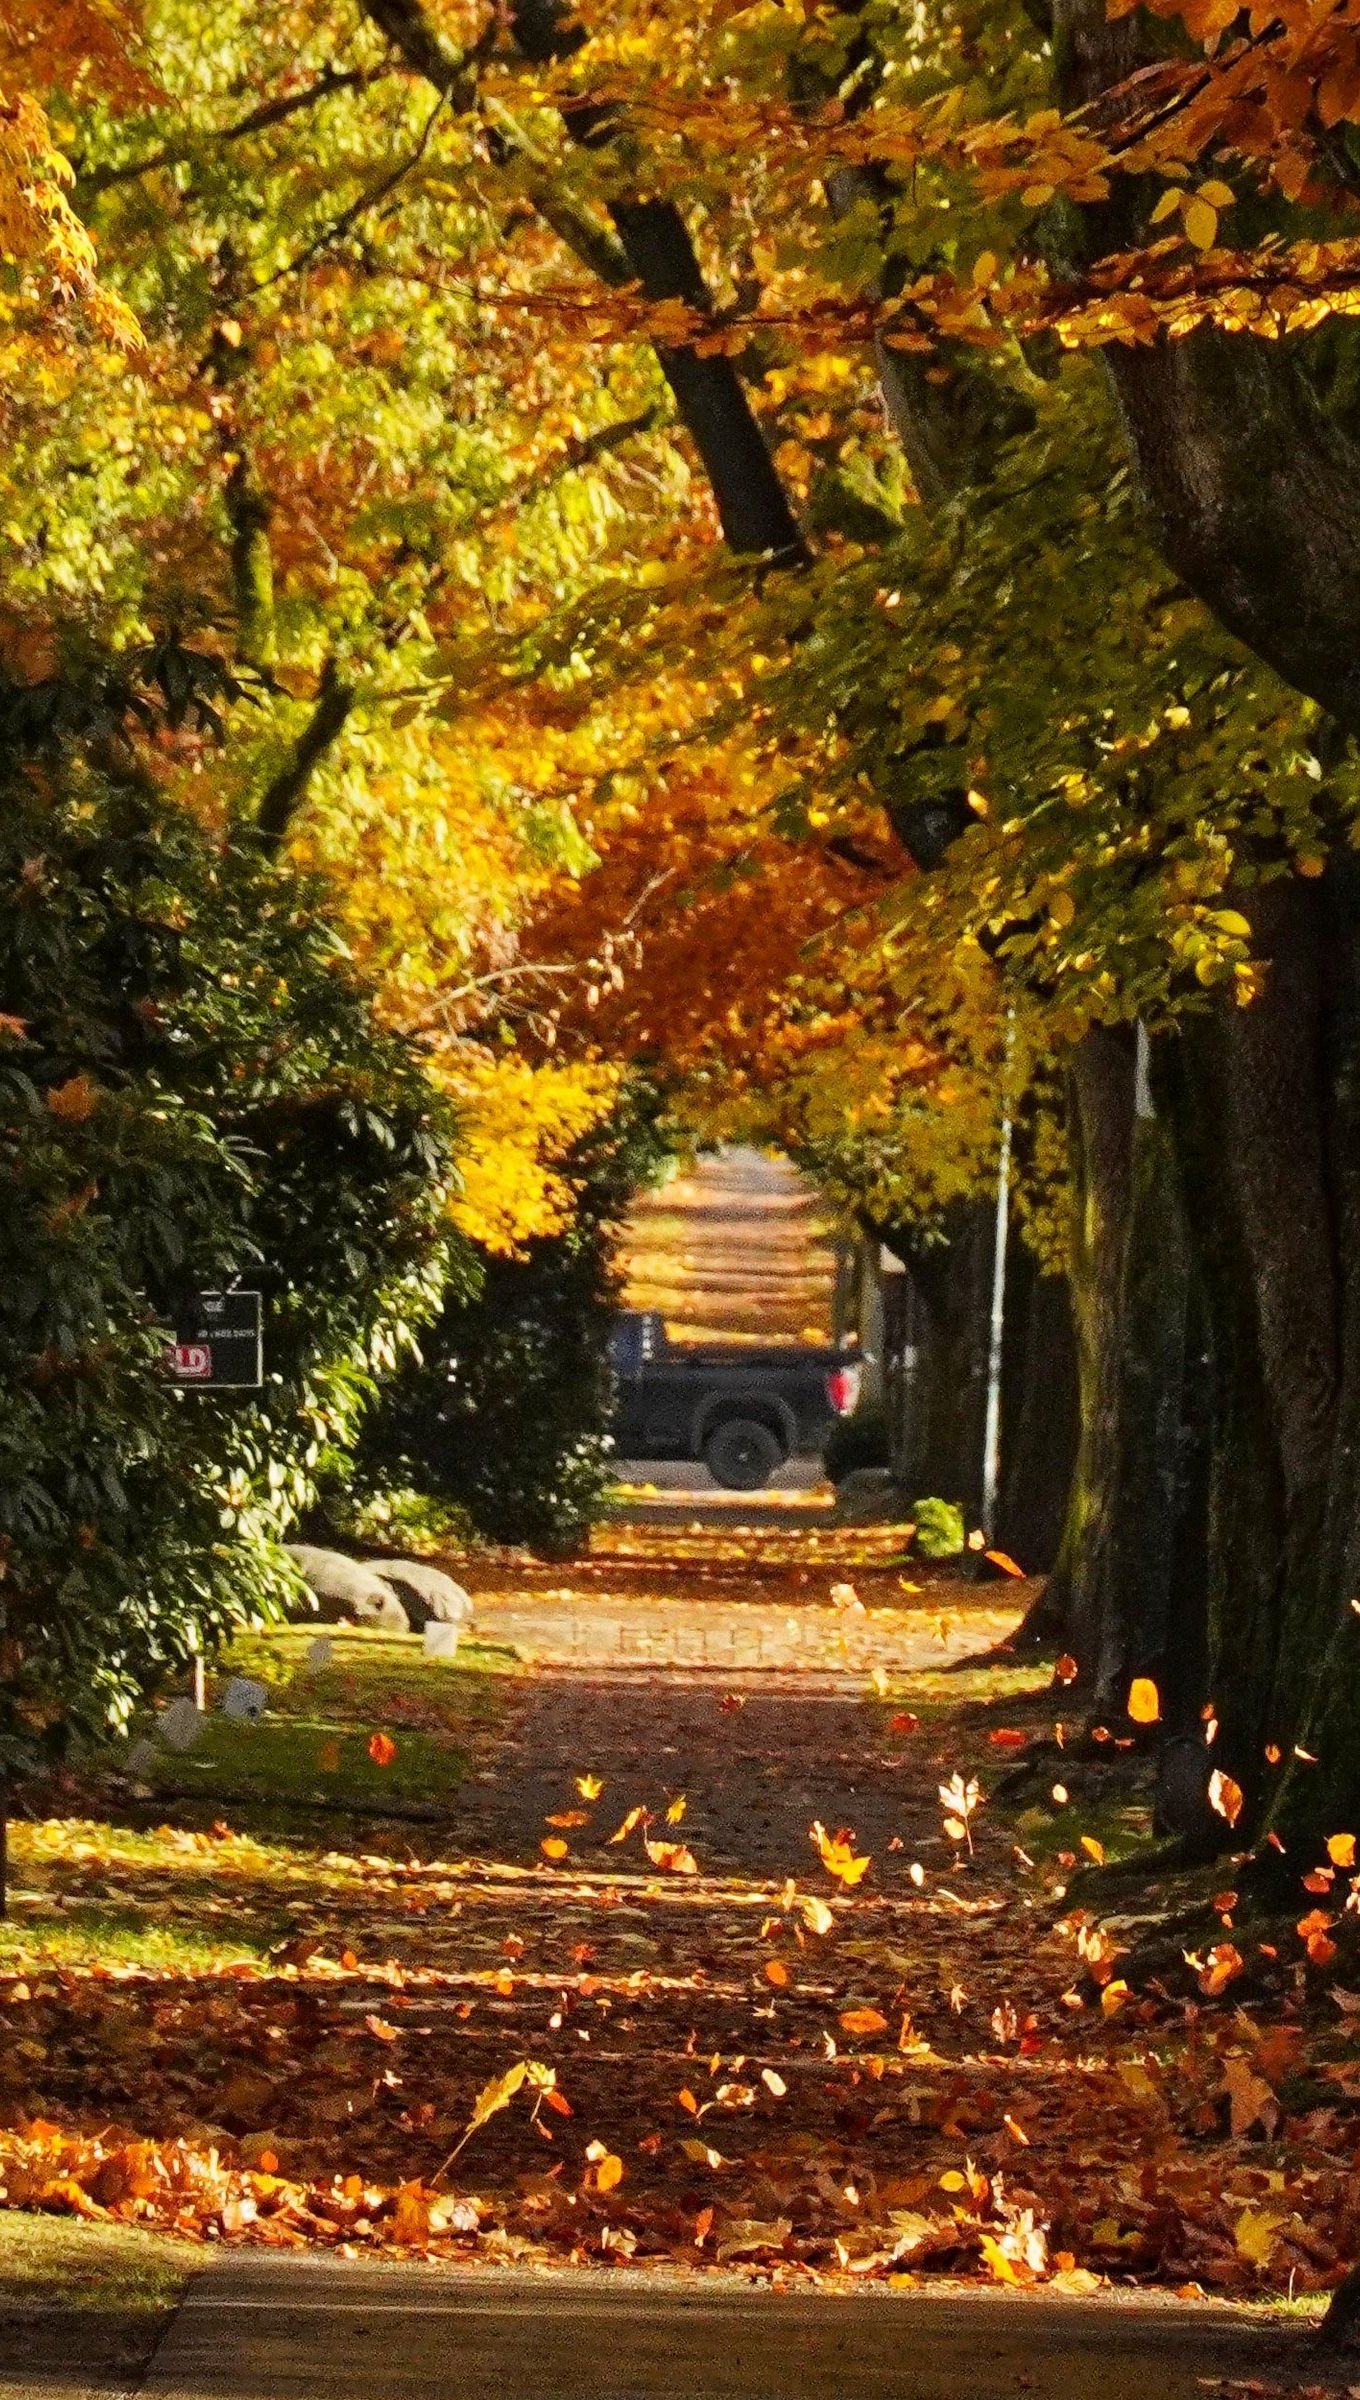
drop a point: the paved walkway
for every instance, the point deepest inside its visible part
(310, 2330)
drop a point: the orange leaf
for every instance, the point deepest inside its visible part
(776, 1972)
(1008, 1737)
(1145, 1701)
(381, 1749)
(1224, 1964)
(634, 1817)
(569, 1816)
(609, 2172)
(1003, 1559)
(904, 1722)
(75, 1099)
(1341, 1849)
(1093, 1848)
(553, 1847)
(1225, 1796)
(672, 1857)
(1066, 1669)
(863, 2020)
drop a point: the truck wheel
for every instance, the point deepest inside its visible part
(742, 1454)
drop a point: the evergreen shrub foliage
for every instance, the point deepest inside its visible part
(193, 1089)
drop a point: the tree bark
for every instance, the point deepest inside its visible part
(1101, 1086)
(939, 1423)
(1039, 1416)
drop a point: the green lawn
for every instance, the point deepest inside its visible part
(220, 1855)
(312, 1747)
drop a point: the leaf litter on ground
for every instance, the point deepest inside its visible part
(938, 2067)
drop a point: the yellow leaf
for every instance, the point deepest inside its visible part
(1093, 1848)
(1201, 224)
(984, 268)
(1168, 204)
(1145, 1701)
(1341, 1849)
(676, 1810)
(1254, 2234)
(1218, 195)
(589, 1786)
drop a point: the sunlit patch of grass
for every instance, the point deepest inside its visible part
(1048, 1827)
(321, 1760)
(62, 2263)
(939, 1692)
(311, 1748)
(129, 1933)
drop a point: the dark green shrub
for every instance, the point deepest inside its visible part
(192, 1088)
(507, 1416)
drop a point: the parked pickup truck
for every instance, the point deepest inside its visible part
(741, 1410)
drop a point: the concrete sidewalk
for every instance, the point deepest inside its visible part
(258, 2328)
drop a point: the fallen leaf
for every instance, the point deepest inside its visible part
(381, 1749)
(1145, 1701)
(553, 1847)
(672, 1857)
(1225, 1796)
(863, 2021)
(589, 1786)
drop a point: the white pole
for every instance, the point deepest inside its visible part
(991, 1438)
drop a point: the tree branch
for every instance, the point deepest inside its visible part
(270, 112)
(282, 798)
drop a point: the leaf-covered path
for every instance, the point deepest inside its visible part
(743, 1963)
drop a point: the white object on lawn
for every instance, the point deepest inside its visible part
(320, 1652)
(441, 1641)
(180, 1726)
(245, 1699)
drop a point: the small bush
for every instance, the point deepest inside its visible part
(939, 1528)
(507, 1416)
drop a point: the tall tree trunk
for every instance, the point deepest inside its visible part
(939, 1433)
(1265, 1108)
(1039, 1412)
(1101, 1091)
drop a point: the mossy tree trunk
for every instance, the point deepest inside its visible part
(1265, 1107)
(939, 1426)
(1039, 1413)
